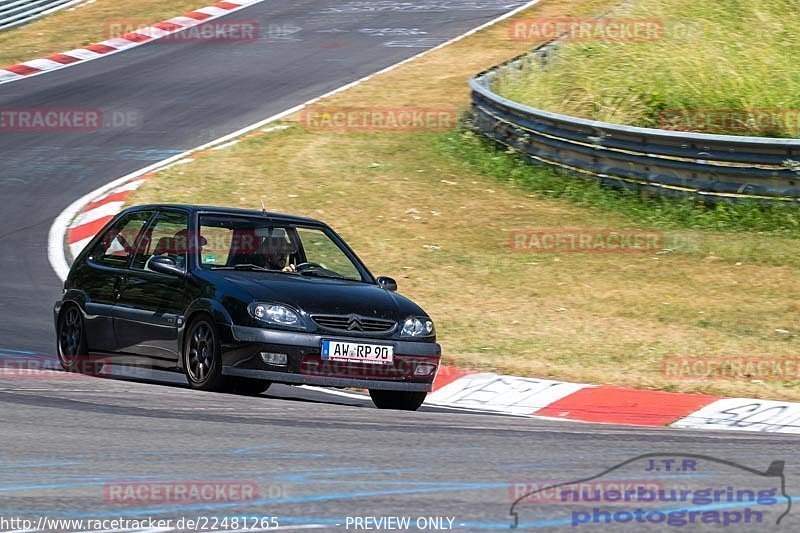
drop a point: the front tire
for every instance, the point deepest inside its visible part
(398, 400)
(202, 360)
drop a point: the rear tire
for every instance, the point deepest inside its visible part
(398, 400)
(202, 360)
(71, 345)
(250, 387)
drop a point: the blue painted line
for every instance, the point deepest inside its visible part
(9, 350)
(314, 475)
(189, 454)
(34, 465)
(251, 449)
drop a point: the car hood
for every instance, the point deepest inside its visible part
(324, 296)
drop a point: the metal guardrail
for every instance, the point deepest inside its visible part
(665, 162)
(17, 12)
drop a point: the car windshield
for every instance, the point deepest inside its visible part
(258, 244)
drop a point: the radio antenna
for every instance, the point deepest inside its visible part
(263, 207)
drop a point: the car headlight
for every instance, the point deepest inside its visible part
(417, 327)
(279, 315)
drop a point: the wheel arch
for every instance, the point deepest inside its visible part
(220, 318)
(74, 297)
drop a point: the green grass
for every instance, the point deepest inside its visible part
(435, 210)
(652, 211)
(730, 55)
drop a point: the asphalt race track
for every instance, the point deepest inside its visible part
(316, 458)
(185, 94)
(316, 462)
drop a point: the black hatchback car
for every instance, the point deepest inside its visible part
(241, 299)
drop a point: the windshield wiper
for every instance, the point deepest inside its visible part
(319, 274)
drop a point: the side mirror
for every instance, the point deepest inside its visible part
(165, 265)
(387, 283)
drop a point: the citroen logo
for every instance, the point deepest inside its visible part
(354, 323)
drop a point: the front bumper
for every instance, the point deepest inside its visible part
(241, 357)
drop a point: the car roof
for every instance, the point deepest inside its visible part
(219, 210)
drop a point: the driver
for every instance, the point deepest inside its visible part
(276, 250)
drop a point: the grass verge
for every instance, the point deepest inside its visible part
(638, 208)
(435, 210)
(721, 67)
(84, 24)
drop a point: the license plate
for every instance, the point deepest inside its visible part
(378, 354)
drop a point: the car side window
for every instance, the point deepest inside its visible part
(168, 235)
(116, 246)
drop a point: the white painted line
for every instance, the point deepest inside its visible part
(77, 247)
(187, 21)
(485, 412)
(152, 31)
(502, 394)
(336, 392)
(88, 55)
(211, 10)
(43, 64)
(7, 75)
(55, 241)
(132, 186)
(226, 145)
(118, 42)
(83, 54)
(365, 397)
(745, 414)
(104, 210)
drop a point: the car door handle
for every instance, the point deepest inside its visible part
(118, 285)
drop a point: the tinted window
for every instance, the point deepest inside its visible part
(227, 241)
(117, 245)
(168, 235)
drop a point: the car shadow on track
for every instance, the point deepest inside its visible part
(29, 365)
